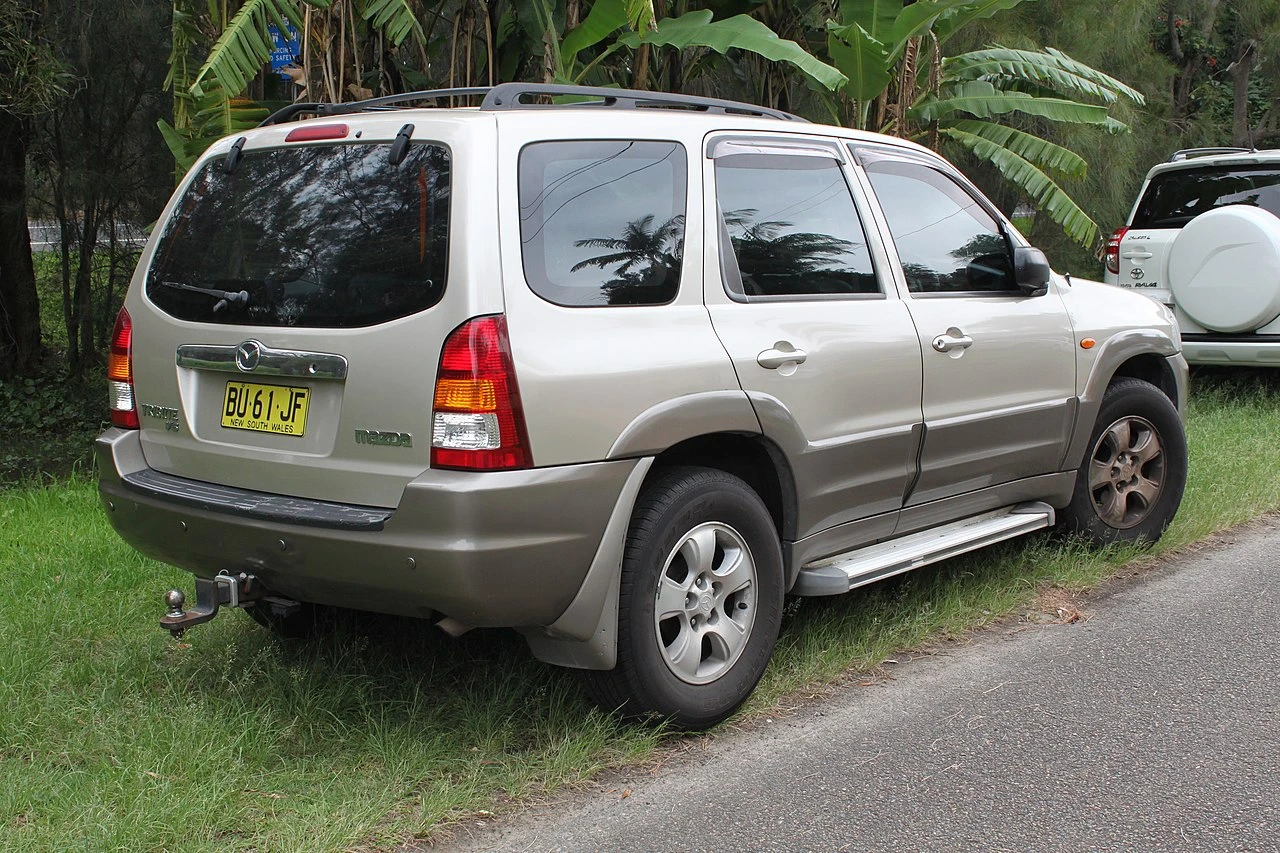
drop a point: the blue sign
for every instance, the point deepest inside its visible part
(284, 48)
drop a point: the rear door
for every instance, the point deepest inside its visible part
(801, 299)
(289, 316)
(999, 365)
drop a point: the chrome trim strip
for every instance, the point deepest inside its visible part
(269, 362)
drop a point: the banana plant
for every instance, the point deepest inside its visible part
(209, 100)
(970, 99)
(978, 88)
(634, 27)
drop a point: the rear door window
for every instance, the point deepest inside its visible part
(330, 236)
(602, 221)
(1176, 197)
(792, 226)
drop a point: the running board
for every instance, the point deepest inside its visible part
(843, 572)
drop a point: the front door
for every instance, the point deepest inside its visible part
(999, 365)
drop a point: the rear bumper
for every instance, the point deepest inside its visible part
(490, 549)
(1235, 350)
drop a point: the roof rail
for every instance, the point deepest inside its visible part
(510, 96)
(1189, 153)
(292, 111)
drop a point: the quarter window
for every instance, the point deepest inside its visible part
(602, 222)
(793, 227)
(947, 242)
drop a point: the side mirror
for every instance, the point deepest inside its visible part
(1031, 270)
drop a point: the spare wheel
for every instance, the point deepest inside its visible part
(1224, 269)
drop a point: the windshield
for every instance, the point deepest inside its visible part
(1176, 197)
(326, 236)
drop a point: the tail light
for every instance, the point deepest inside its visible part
(477, 422)
(1113, 249)
(124, 412)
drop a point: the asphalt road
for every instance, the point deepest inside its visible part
(1153, 724)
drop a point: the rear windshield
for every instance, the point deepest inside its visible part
(1176, 197)
(329, 236)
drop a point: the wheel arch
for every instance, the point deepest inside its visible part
(1144, 354)
(585, 635)
(752, 458)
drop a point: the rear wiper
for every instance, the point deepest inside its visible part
(224, 297)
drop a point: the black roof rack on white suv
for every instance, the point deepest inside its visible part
(511, 96)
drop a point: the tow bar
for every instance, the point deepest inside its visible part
(225, 590)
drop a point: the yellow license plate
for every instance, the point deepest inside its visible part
(265, 408)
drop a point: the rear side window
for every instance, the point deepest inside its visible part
(330, 236)
(1176, 197)
(602, 222)
(793, 227)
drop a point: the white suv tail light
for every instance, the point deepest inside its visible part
(1113, 249)
(477, 422)
(124, 412)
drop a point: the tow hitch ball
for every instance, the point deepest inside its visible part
(225, 590)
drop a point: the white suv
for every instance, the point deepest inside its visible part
(1204, 239)
(618, 375)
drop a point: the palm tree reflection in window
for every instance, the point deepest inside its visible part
(648, 261)
(775, 260)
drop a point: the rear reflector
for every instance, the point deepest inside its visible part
(120, 373)
(313, 132)
(1113, 249)
(477, 422)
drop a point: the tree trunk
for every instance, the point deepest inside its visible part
(1241, 70)
(83, 295)
(1187, 59)
(19, 301)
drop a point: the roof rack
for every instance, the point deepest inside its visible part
(511, 96)
(1189, 153)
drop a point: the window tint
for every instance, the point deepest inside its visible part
(1175, 198)
(793, 227)
(947, 242)
(602, 222)
(327, 236)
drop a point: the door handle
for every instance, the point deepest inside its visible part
(1135, 254)
(949, 342)
(772, 359)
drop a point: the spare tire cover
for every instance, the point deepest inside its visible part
(1224, 269)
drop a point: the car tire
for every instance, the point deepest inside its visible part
(700, 601)
(1131, 479)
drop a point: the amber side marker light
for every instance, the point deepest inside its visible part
(1087, 343)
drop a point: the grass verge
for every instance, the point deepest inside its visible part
(114, 737)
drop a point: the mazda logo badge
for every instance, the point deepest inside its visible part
(247, 355)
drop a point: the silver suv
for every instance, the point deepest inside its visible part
(1204, 239)
(619, 374)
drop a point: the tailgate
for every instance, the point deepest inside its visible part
(287, 322)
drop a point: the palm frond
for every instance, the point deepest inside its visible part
(394, 18)
(1043, 191)
(981, 99)
(245, 45)
(1050, 68)
(1041, 152)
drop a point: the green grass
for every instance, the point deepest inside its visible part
(113, 737)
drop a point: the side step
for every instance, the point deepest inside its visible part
(843, 572)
